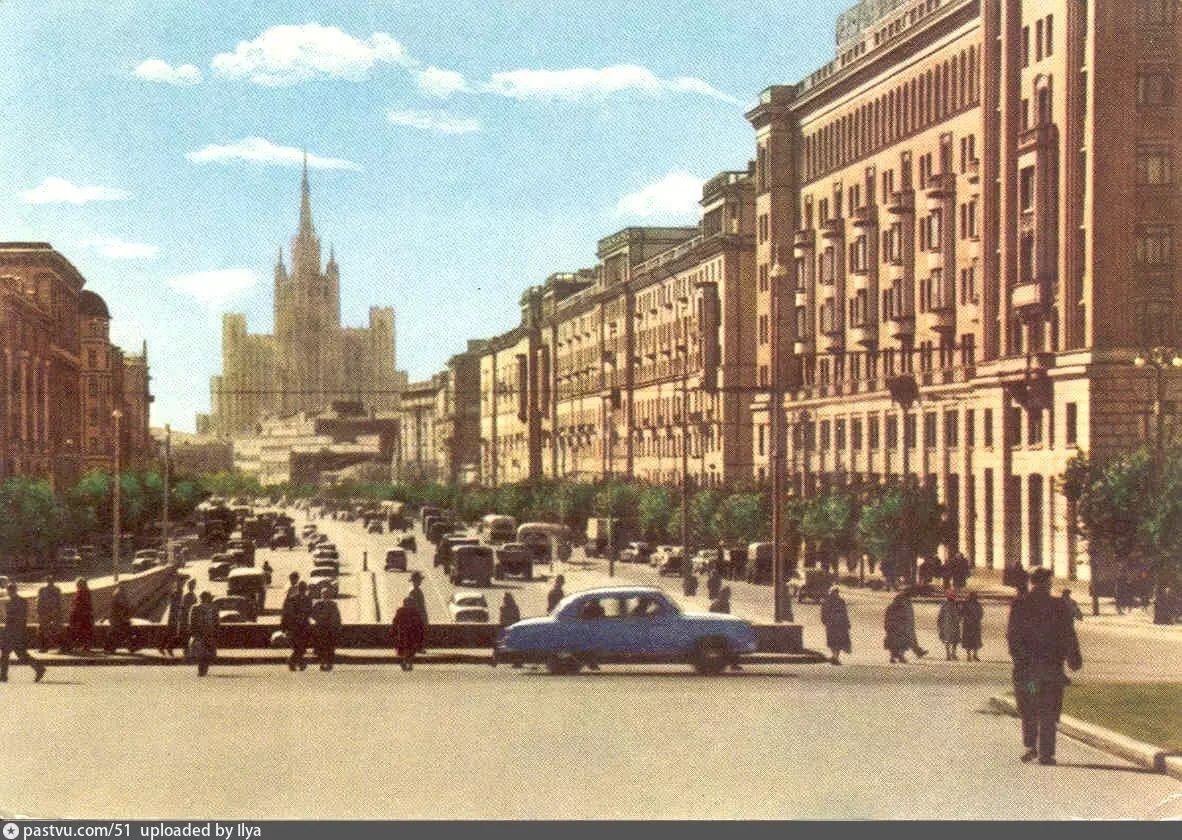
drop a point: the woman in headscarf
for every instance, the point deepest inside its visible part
(836, 619)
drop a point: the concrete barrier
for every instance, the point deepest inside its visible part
(772, 638)
(144, 590)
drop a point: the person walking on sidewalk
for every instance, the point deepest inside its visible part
(409, 632)
(14, 641)
(173, 626)
(510, 613)
(713, 583)
(1072, 607)
(203, 626)
(972, 615)
(326, 628)
(119, 619)
(295, 621)
(49, 616)
(948, 625)
(81, 629)
(1041, 636)
(722, 604)
(555, 594)
(836, 618)
(899, 624)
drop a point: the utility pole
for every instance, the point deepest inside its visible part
(686, 569)
(116, 528)
(781, 605)
(164, 513)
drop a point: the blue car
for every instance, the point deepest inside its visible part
(626, 624)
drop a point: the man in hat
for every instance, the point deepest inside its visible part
(416, 594)
(14, 638)
(1041, 636)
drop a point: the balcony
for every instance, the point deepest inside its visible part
(1043, 137)
(864, 335)
(833, 228)
(866, 216)
(859, 279)
(806, 238)
(973, 171)
(941, 319)
(942, 186)
(802, 297)
(902, 326)
(902, 203)
(1029, 301)
(802, 346)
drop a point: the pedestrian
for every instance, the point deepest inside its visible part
(948, 625)
(1016, 576)
(268, 571)
(836, 618)
(928, 570)
(119, 619)
(203, 629)
(510, 613)
(899, 623)
(888, 572)
(416, 594)
(946, 571)
(1072, 607)
(294, 579)
(972, 615)
(49, 616)
(555, 594)
(81, 629)
(1041, 636)
(722, 604)
(961, 569)
(294, 621)
(187, 604)
(172, 624)
(326, 629)
(713, 583)
(409, 632)
(14, 641)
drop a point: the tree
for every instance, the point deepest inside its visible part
(703, 507)
(900, 524)
(619, 501)
(742, 518)
(828, 521)
(654, 510)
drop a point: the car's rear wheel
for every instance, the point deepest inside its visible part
(711, 657)
(563, 663)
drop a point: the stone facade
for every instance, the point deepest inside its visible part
(310, 360)
(964, 202)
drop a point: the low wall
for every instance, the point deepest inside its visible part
(144, 590)
(772, 638)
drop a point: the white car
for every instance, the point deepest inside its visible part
(705, 560)
(466, 605)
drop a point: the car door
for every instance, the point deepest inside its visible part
(663, 629)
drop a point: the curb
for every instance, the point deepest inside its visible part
(807, 657)
(1137, 752)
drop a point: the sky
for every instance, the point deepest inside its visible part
(459, 152)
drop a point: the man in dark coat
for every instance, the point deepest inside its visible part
(409, 632)
(49, 615)
(203, 624)
(555, 594)
(960, 568)
(1041, 636)
(326, 627)
(899, 625)
(295, 621)
(173, 627)
(836, 618)
(14, 641)
(119, 618)
(81, 631)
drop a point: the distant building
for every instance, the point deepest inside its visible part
(310, 360)
(195, 455)
(299, 447)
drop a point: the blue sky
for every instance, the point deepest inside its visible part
(460, 151)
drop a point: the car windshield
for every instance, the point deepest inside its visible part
(471, 601)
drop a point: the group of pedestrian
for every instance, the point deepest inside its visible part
(959, 625)
(79, 630)
(309, 623)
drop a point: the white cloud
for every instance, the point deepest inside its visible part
(157, 70)
(117, 249)
(675, 195)
(261, 150)
(215, 288)
(439, 122)
(285, 55)
(582, 82)
(60, 191)
(440, 83)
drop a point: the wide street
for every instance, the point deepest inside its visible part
(866, 739)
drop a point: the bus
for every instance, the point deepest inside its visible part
(496, 528)
(541, 537)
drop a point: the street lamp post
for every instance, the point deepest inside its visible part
(164, 512)
(1160, 359)
(116, 529)
(904, 392)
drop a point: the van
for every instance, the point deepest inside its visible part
(472, 562)
(540, 536)
(248, 583)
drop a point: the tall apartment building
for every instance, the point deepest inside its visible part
(606, 374)
(966, 227)
(310, 360)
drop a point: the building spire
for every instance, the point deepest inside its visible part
(306, 203)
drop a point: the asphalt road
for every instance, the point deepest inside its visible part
(255, 742)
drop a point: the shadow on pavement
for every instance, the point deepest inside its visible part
(681, 675)
(1122, 768)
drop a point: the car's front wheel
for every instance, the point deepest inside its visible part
(711, 657)
(563, 663)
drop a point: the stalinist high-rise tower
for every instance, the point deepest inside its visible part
(311, 360)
